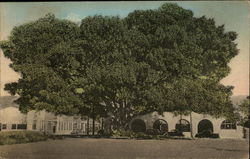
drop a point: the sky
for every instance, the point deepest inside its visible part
(234, 14)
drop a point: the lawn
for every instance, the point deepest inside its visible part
(80, 148)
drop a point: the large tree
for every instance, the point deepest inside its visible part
(152, 60)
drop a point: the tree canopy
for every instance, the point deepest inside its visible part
(152, 60)
(245, 106)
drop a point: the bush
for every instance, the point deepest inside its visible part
(143, 136)
(176, 133)
(16, 137)
(101, 132)
(139, 135)
(124, 133)
(152, 132)
(207, 134)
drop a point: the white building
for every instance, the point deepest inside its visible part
(197, 122)
(11, 119)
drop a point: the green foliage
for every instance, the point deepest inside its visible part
(17, 137)
(132, 135)
(245, 106)
(123, 133)
(152, 60)
(41, 52)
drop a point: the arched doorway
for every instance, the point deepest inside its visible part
(161, 125)
(205, 125)
(138, 125)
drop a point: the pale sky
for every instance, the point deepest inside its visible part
(234, 15)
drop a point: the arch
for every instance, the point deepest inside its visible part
(161, 125)
(205, 125)
(138, 125)
(226, 124)
(183, 125)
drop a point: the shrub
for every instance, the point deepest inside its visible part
(143, 136)
(207, 134)
(176, 132)
(152, 132)
(139, 135)
(16, 137)
(124, 133)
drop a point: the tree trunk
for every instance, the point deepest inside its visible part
(121, 115)
(88, 126)
(93, 127)
(102, 124)
(191, 125)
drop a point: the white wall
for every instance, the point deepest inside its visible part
(172, 119)
(11, 115)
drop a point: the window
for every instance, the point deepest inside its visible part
(64, 126)
(74, 126)
(226, 124)
(4, 126)
(70, 126)
(21, 126)
(183, 126)
(42, 123)
(49, 125)
(83, 127)
(61, 125)
(34, 125)
(13, 126)
(97, 127)
(90, 127)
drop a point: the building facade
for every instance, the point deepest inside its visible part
(11, 119)
(190, 125)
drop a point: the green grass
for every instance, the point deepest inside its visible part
(17, 137)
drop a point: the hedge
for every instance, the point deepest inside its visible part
(17, 137)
